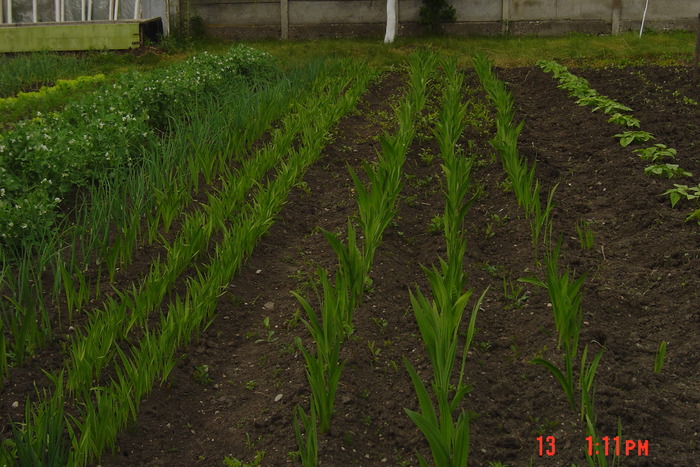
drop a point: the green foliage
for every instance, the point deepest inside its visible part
(47, 157)
(624, 120)
(439, 319)
(682, 192)
(585, 234)
(656, 153)
(667, 170)
(234, 462)
(29, 72)
(307, 442)
(323, 369)
(633, 137)
(435, 12)
(26, 104)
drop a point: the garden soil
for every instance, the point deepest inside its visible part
(233, 392)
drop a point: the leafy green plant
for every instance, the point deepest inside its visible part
(234, 462)
(682, 192)
(667, 170)
(624, 120)
(514, 294)
(201, 374)
(656, 153)
(632, 137)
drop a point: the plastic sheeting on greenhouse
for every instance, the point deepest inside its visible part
(43, 11)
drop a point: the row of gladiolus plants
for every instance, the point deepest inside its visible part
(439, 319)
(51, 436)
(564, 291)
(339, 296)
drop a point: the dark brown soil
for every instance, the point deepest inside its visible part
(233, 393)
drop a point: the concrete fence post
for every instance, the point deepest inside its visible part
(616, 14)
(505, 16)
(284, 19)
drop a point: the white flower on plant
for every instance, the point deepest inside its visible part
(24, 226)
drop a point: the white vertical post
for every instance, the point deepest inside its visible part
(137, 8)
(82, 10)
(89, 10)
(111, 10)
(56, 7)
(63, 10)
(2, 13)
(9, 11)
(392, 20)
(644, 16)
(284, 19)
(116, 9)
(34, 15)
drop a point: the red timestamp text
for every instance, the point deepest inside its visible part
(547, 446)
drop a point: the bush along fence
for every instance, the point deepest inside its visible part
(564, 291)
(338, 298)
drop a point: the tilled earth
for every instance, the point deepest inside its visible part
(641, 288)
(233, 392)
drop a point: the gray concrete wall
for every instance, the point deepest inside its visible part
(337, 18)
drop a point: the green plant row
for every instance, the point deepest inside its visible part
(564, 291)
(439, 319)
(29, 72)
(229, 127)
(47, 97)
(521, 176)
(658, 154)
(107, 409)
(338, 298)
(43, 159)
(133, 307)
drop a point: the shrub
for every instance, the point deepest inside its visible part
(435, 12)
